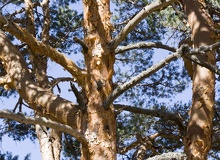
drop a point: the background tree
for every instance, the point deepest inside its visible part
(123, 105)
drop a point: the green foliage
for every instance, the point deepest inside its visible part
(167, 26)
(8, 156)
(71, 147)
(129, 125)
(18, 131)
(162, 86)
(65, 25)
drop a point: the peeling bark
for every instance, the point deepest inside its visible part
(100, 126)
(50, 136)
(198, 137)
(94, 123)
(169, 156)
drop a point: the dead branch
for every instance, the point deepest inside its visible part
(55, 81)
(124, 87)
(144, 142)
(79, 41)
(79, 96)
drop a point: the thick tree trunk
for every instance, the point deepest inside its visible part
(100, 126)
(198, 137)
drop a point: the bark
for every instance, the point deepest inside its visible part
(139, 45)
(99, 124)
(163, 114)
(19, 79)
(41, 100)
(45, 143)
(198, 137)
(183, 51)
(50, 143)
(169, 156)
(144, 74)
(49, 139)
(95, 120)
(187, 63)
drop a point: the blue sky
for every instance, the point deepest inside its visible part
(25, 147)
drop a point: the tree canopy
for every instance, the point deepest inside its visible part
(127, 62)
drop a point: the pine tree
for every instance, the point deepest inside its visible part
(123, 98)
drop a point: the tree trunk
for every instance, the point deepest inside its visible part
(198, 137)
(100, 125)
(50, 143)
(49, 139)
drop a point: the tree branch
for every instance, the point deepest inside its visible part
(41, 48)
(79, 97)
(147, 141)
(139, 45)
(41, 100)
(191, 56)
(44, 122)
(29, 17)
(79, 41)
(46, 26)
(169, 156)
(123, 150)
(127, 85)
(154, 6)
(183, 51)
(55, 81)
(155, 112)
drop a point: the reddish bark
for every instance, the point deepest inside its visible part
(100, 126)
(198, 137)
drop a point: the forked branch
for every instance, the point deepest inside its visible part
(41, 100)
(183, 51)
(135, 80)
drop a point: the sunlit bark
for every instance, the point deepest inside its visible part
(198, 137)
(100, 127)
(93, 121)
